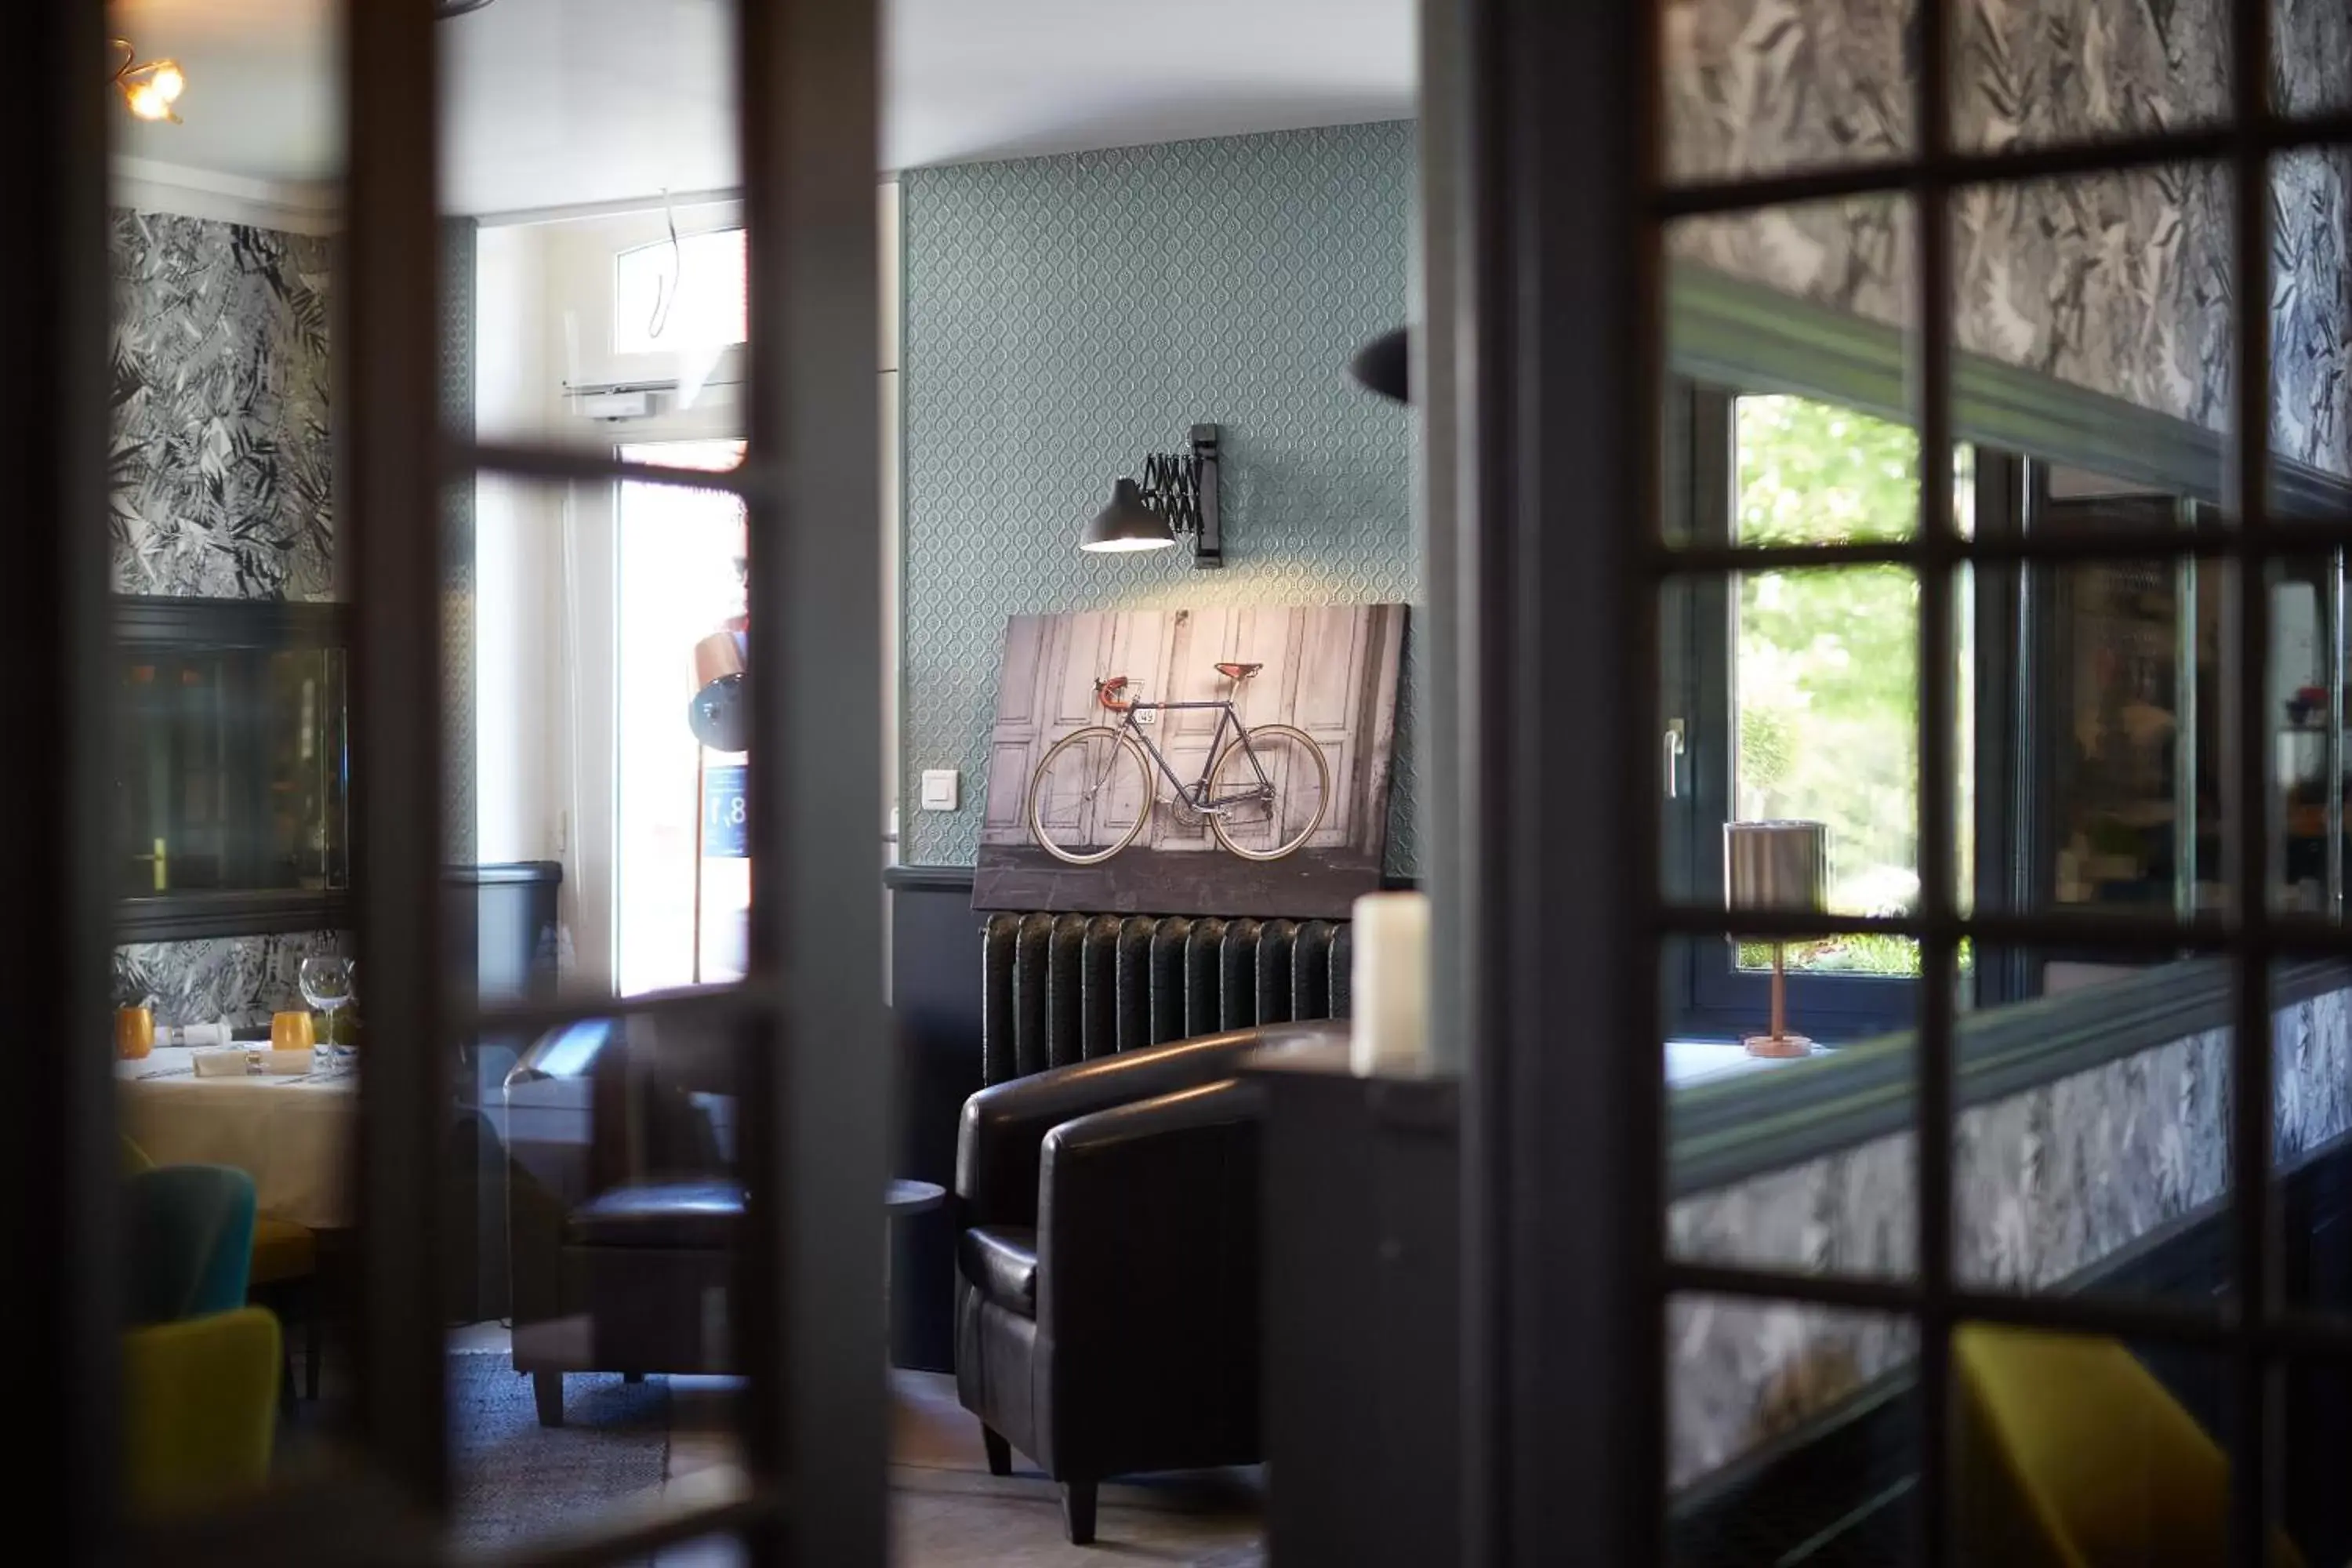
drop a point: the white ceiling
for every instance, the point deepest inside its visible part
(556, 103)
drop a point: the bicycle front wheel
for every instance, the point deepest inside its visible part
(1268, 791)
(1090, 796)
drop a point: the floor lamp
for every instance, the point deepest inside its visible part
(1777, 865)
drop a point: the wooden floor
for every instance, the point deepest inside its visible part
(948, 1511)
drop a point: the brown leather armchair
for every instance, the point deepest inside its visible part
(1106, 1290)
(624, 1207)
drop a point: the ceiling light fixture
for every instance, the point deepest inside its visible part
(149, 88)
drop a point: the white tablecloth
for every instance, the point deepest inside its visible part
(293, 1135)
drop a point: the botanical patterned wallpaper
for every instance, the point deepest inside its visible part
(221, 488)
(2045, 1184)
(1063, 317)
(239, 979)
(2120, 283)
(220, 458)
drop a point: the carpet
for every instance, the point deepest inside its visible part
(515, 1479)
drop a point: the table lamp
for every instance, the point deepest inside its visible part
(1774, 865)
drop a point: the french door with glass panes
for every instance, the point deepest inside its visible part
(1937, 201)
(785, 105)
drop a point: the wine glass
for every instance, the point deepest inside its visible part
(327, 981)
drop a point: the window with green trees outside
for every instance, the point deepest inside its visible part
(1825, 662)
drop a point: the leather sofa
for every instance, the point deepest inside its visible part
(624, 1207)
(1106, 1290)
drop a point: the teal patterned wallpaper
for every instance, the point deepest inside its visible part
(1067, 315)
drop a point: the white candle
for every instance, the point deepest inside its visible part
(1391, 982)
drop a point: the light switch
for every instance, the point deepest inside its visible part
(940, 788)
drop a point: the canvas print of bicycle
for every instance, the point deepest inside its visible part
(1231, 761)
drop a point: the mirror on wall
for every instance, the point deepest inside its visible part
(231, 790)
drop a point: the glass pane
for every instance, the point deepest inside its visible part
(2082, 1448)
(1825, 721)
(693, 289)
(2311, 1408)
(1774, 85)
(606, 288)
(2125, 769)
(225, 696)
(2115, 283)
(1747, 1381)
(1798, 1165)
(560, 134)
(2026, 74)
(680, 859)
(607, 706)
(2310, 41)
(610, 1209)
(2091, 1155)
(2305, 721)
(1813, 266)
(1810, 472)
(2310, 1101)
(2310, 298)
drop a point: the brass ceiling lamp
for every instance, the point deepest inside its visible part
(149, 88)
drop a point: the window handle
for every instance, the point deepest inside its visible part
(1674, 746)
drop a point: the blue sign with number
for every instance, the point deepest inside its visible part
(724, 811)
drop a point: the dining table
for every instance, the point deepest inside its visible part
(292, 1132)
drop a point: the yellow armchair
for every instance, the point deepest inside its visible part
(202, 1403)
(2072, 1456)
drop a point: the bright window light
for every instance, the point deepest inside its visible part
(666, 299)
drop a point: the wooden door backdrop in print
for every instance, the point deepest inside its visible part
(1327, 671)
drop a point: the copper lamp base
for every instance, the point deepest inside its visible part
(1778, 1046)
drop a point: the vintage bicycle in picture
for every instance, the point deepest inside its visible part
(1263, 790)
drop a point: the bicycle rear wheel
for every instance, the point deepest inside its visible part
(1090, 797)
(1284, 784)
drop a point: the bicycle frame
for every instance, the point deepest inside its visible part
(1196, 794)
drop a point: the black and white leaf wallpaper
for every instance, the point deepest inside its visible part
(2120, 283)
(240, 980)
(1756, 87)
(2045, 1184)
(220, 460)
(219, 484)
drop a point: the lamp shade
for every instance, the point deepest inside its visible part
(1775, 865)
(1385, 365)
(1127, 525)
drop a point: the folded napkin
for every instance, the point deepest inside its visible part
(238, 1061)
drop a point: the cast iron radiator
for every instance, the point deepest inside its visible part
(1057, 989)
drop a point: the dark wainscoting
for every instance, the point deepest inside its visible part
(935, 993)
(1837, 1490)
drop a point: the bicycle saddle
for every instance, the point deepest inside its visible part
(1238, 671)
